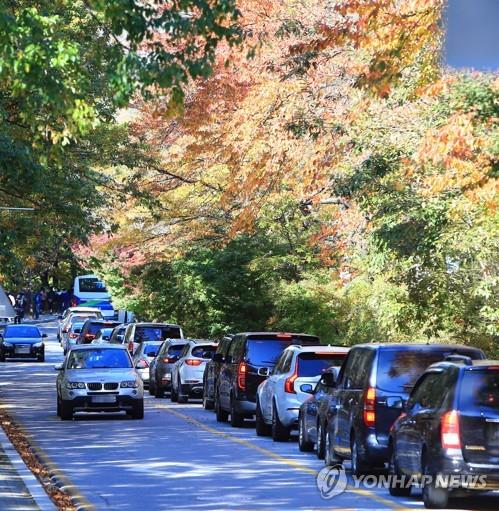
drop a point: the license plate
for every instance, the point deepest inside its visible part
(103, 399)
(23, 350)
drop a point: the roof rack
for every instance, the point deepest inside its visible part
(459, 359)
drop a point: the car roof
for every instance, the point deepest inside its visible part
(412, 345)
(322, 348)
(101, 346)
(84, 309)
(203, 342)
(155, 324)
(101, 321)
(464, 364)
(292, 334)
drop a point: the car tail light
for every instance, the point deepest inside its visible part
(242, 369)
(167, 360)
(450, 436)
(73, 336)
(370, 407)
(193, 362)
(284, 336)
(130, 346)
(89, 337)
(289, 384)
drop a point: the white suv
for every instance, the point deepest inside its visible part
(188, 371)
(292, 381)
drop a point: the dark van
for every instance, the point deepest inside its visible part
(373, 385)
(250, 359)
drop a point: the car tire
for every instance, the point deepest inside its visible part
(303, 444)
(41, 358)
(262, 428)
(321, 441)
(208, 404)
(138, 410)
(181, 398)
(330, 457)
(393, 470)
(2, 357)
(280, 433)
(58, 411)
(66, 409)
(220, 413)
(173, 394)
(359, 465)
(236, 418)
(434, 497)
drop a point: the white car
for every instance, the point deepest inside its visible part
(295, 374)
(188, 371)
(98, 378)
(145, 354)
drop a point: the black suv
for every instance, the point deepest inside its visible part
(91, 327)
(450, 428)
(212, 371)
(250, 359)
(373, 385)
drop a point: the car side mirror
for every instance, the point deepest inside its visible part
(395, 402)
(59, 367)
(44, 336)
(307, 388)
(218, 357)
(329, 380)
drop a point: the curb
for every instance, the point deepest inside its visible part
(34, 487)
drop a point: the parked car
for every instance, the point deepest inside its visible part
(118, 334)
(143, 357)
(251, 358)
(450, 426)
(374, 381)
(160, 369)
(136, 333)
(293, 378)
(91, 327)
(71, 337)
(188, 370)
(98, 378)
(102, 336)
(212, 371)
(22, 341)
(81, 311)
(312, 412)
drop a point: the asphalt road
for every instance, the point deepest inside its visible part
(178, 457)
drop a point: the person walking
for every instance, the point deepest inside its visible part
(19, 308)
(37, 304)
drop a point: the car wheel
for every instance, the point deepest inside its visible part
(434, 497)
(303, 444)
(236, 419)
(321, 441)
(2, 357)
(181, 398)
(58, 406)
(262, 428)
(41, 358)
(207, 402)
(220, 413)
(138, 410)
(280, 433)
(66, 409)
(397, 490)
(359, 465)
(173, 394)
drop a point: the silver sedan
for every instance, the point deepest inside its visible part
(99, 378)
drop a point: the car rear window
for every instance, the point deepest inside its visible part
(479, 390)
(398, 370)
(156, 333)
(314, 364)
(93, 328)
(265, 352)
(175, 349)
(151, 350)
(199, 350)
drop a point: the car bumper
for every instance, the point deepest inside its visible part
(87, 404)
(374, 451)
(192, 389)
(33, 353)
(245, 407)
(164, 380)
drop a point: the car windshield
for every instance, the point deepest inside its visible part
(398, 370)
(199, 351)
(156, 333)
(314, 364)
(265, 352)
(91, 285)
(479, 389)
(99, 359)
(21, 331)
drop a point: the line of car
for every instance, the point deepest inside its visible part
(414, 408)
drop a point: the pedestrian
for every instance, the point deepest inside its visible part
(44, 300)
(19, 308)
(51, 297)
(37, 304)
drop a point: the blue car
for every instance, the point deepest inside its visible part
(22, 341)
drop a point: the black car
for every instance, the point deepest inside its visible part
(91, 327)
(250, 359)
(374, 382)
(313, 412)
(212, 371)
(22, 341)
(450, 427)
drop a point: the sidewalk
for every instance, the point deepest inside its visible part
(44, 318)
(19, 489)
